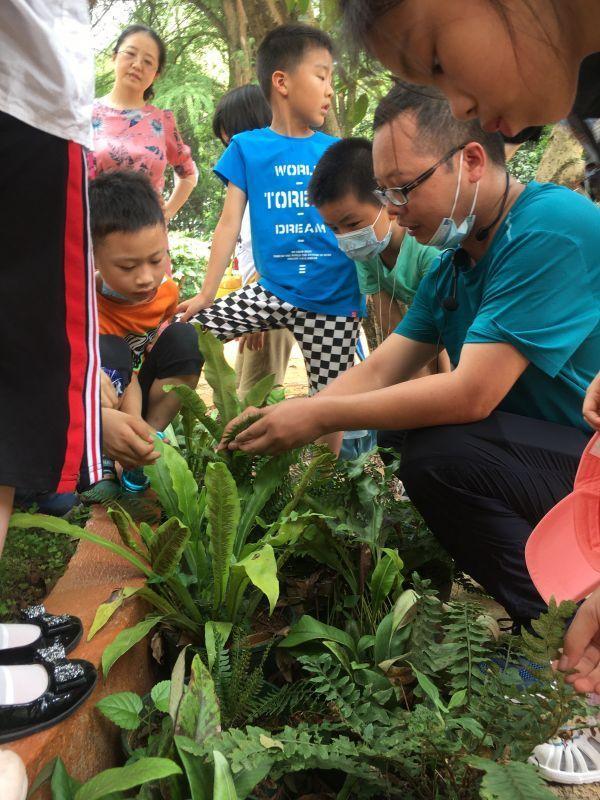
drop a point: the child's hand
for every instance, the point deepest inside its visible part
(192, 306)
(253, 341)
(128, 440)
(108, 393)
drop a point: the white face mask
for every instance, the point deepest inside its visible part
(363, 243)
(449, 235)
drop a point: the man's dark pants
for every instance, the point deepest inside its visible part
(483, 487)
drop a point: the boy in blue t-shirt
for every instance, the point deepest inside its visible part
(307, 284)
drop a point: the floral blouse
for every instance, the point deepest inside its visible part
(143, 139)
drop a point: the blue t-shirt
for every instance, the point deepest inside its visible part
(295, 253)
(537, 288)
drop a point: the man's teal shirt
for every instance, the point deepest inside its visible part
(537, 288)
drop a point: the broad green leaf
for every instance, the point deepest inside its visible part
(43, 776)
(161, 481)
(268, 477)
(125, 640)
(261, 569)
(59, 525)
(172, 480)
(106, 610)
(383, 638)
(121, 779)
(168, 546)
(122, 708)
(223, 787)
(383, 579)
(510, 781)
(62, 785)
(160, 695)
(191, 400)
(197, 771)
(309, 629)
(430, 689)
(199, 716)
(404, 608)
(127, 529)
(220, 376)
(340, 653)
(177, 684)
(470, 725)
(458, 699)
(259, 392)
(211, 630)
(223, 512)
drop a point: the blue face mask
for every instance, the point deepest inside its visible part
(108, 292)
(449, 235)
(363, 243)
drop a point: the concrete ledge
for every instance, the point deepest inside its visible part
(87, 742)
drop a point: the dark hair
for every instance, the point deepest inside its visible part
(284, 48)
(123, 201)
(241, 109)
(438, 130)
(344, 168)
(162, 51)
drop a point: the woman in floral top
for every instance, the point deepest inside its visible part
(129, 133)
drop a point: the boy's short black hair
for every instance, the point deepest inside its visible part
(123, 202)
(284, 48)
(241, 109)
(437, 130)
(344, 168)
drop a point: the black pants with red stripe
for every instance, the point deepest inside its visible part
(49, 365)
(483, 487)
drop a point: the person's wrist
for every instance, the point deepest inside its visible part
(323, 415)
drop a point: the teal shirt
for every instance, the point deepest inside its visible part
(402, 280)
(537, 288)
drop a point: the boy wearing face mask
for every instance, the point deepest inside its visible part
(389, 265)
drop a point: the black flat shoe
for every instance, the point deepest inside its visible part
(70, 683)
(64, 630)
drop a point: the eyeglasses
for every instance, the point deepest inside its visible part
(398, 195)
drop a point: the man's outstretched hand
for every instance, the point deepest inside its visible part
(128, 440)
(279, 428)
(581, 650)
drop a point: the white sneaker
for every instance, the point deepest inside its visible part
(13, 777)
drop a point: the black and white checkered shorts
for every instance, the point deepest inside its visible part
(328, 343)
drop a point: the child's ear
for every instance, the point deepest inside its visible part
(279, 82)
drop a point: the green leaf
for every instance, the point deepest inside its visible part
(223, 512)
(174, 483)
(62, 785)
(219, 375)
(360, 109)
(405, 608)
(267, 742)
(177, 684)
(261, 569)
(458, 699)
(121, 779)
(510, 781)
(104, 613)
(191, 400)
(199, 716)
(122, 708)
(223, 787)
(259, 392)
(341, 654)
(160, 695)
(125, 640)
(383, 579)
(211, 630)
(430, 689)
(198, 773)
(126, 528)
(168, 546)
(309, 629)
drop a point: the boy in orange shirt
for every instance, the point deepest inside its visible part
(135, 297)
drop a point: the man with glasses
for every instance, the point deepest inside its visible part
(515, 300)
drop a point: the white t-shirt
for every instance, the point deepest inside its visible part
(47, 66)
(243, 252)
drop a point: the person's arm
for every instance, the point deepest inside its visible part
(126, 439)
(387, 311)
(131, 402)
(181, 191)
(581, 651)
(591, 404)
(363, 398)
(223, 244)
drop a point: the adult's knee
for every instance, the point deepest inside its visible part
(425, 451)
